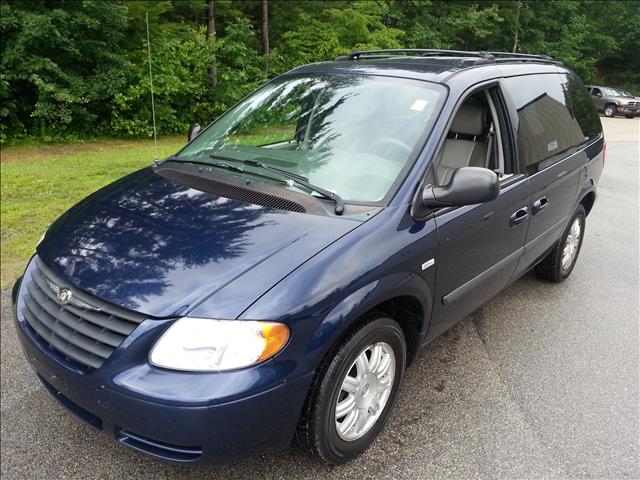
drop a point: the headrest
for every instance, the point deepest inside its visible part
(469, 120)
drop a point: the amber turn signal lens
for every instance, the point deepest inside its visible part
(275, 337)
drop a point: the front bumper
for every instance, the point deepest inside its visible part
(628, 110)
(175, 416)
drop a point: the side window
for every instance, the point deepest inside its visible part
(596, 92)
(546, 125)
(582, 106)
(473, 139)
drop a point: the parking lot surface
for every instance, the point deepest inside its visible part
(541, 382)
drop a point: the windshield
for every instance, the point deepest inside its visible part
(611, 92)
(351, 135)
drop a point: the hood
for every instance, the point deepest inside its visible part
(161, 248)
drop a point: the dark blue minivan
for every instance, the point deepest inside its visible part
(274, 278)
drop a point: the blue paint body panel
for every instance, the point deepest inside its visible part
(166, 250)
(161, 248)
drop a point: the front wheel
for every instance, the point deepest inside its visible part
(630, 116)
(354, 391)
(559, 263)
(610, 110)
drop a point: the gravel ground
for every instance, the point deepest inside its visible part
(541, 382)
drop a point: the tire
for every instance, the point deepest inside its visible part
(555, 267)
(610, 110)
(630, 116)
(318, 428)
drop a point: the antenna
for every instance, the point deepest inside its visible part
(153, 105)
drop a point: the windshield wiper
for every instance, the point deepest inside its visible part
(226, 166)
(255, 163)
(299, 179)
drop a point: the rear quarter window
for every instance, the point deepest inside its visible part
(547, 127)
(582, 106)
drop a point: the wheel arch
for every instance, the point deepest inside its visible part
(587, 201)
(409, 302)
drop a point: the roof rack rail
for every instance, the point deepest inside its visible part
(524, 57)
(520, 55)
(419, 52)
(480, 56)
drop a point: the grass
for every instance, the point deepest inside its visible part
(41, 182)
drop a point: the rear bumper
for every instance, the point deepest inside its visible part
(172, 415)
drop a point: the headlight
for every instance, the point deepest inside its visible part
(201, 344)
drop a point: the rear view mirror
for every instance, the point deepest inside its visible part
(468, 186)
(194, 131)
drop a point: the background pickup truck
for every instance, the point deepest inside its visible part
(614, 102)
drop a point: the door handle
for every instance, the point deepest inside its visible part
(519, 216)
(540, 205)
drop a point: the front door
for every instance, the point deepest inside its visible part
(479, 245)
(596, 96)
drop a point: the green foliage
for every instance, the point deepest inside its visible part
(182, 93)
(80, 69)
(240, 67)
(310, 41)
(55, 64)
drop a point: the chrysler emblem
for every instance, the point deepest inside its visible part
(64, 296)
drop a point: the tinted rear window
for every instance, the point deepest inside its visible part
(547, 126)
(582, 105)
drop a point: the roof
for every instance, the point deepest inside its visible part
(416, 64)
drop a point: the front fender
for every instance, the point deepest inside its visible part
(381, 260)
(351, 308)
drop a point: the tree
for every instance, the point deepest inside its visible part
(265, 27)
(72, 69)
(517, 27)
(211, 35)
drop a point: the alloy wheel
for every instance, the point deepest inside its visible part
(571, 244)
(365, 391)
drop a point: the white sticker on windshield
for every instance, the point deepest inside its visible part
(419, 105)
(551, 146)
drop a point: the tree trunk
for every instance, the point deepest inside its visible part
(517, 30)
(265, 27)
(211, 35)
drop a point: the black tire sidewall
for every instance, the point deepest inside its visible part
(331, 446)
(579, 213)
(613, 113)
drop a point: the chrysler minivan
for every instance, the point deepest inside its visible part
(274, 278)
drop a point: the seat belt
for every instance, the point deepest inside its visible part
(490, 137)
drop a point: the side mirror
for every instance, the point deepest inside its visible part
(468, 186)
(598, 94)
(194, 131)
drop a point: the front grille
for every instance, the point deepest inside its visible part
(86, 333)
(634, 104)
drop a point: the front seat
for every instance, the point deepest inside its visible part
(464, 146)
